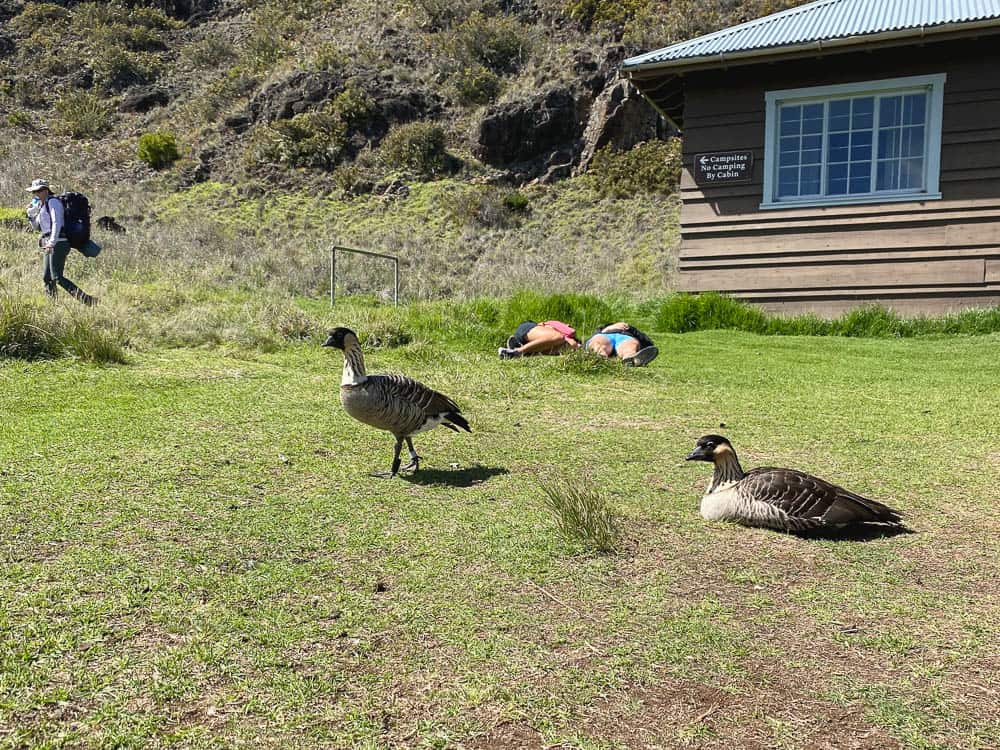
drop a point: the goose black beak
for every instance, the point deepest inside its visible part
(329, 341)
(698, 454)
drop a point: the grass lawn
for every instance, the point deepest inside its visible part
(192, 553)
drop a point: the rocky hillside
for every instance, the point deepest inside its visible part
(346, 99)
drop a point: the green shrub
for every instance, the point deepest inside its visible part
(327, 57)
(498, 43)
(516, 202)
(83, 114)
(317, 139)
(116, 68)
(581, 513)
(474, 85)
(158, 150)
(208, 52)
(651, 167)
(272, 36)
(416, 146)
(37, 16)
(21, 120)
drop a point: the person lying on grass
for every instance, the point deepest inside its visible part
(549, 337)
(624, 341)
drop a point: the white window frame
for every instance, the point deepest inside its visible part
(932, 161)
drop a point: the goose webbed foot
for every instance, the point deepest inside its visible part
(413, 466)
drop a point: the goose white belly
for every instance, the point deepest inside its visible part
(721, 505)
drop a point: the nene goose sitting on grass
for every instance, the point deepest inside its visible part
(782, 499)
(394, 403)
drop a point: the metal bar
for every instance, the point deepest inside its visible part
(365, 252)
(333, 270)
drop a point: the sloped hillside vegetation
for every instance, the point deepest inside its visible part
(476, 139)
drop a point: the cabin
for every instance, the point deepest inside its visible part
(840, 153)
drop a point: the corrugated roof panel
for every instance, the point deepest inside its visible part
(824, 20)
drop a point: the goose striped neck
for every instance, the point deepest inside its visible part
(727, 468)
(354, 363)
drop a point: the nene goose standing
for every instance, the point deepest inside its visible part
(394, 403)
(782, 499)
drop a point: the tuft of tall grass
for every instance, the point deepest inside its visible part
(30, 331)
(581, 513)
(682, 313)
(585, 362)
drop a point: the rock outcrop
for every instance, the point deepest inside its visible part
(619, 118)
(526, 131)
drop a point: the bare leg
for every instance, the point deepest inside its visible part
(628, 348)
(600, 345)
(414, 458)
(542, 340)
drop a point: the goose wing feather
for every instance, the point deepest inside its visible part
(429, 401)
(805, 496)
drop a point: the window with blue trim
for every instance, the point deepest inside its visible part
(852, 146)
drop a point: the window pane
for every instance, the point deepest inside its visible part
(887, 177)
(888, 144)
(889, 112)
(812, 157)
(914, 109)
(863, 151)
(789, 145)
(788, 182)
(862, 110)
(789, 160)
(911, 174)
(790, 120)
(836, 187)
(912, 143)
(812, 141)
(810, 181)
(836, 179)
(861, 177)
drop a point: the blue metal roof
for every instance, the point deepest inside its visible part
(820, 21)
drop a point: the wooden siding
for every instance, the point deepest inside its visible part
(917, 256)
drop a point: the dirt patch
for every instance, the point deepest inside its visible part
(507, 735)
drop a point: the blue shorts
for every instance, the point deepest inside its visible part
(616, 339)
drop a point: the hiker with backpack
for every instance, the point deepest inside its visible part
(60, 225)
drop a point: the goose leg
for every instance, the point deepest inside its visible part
(395, 462)
(414, 458)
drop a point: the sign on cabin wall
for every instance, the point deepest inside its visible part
(723, 167)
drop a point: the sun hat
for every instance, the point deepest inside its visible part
(37, 185)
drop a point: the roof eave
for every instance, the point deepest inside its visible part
(722, 59)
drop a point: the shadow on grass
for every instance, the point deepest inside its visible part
(860, 533)
(466, 477)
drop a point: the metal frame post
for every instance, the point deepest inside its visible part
(333, 270)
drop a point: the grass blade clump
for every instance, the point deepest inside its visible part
(29, 331)
(582, 513)
(585, 362)
(683, 313)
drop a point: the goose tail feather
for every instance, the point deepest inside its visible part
(453, 419)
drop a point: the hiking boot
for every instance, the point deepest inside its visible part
(508, 353)
(642, 357)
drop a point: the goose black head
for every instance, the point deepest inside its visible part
(709, 448)
(338, 337)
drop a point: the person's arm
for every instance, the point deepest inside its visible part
(55, 208)
(619, 327)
